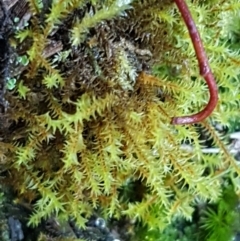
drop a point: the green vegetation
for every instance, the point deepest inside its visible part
(85, 120)
(222, 220)
(211, 222)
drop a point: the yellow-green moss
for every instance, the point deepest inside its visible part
(96, 118)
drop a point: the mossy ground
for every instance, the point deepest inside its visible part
(87, 119)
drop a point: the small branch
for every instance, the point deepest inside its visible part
(209, 150)
(235, 135)
(204, 67)
(233, 147)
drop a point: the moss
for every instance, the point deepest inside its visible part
(82, 122)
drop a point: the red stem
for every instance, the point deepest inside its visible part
(205, 70)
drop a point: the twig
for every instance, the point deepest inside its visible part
(209, 150)
(233, 147)
(204, 67)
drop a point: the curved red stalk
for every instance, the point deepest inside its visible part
(205, 70)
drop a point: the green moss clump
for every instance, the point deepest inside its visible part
(87, 119)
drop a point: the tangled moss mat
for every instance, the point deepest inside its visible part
(88, 90)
